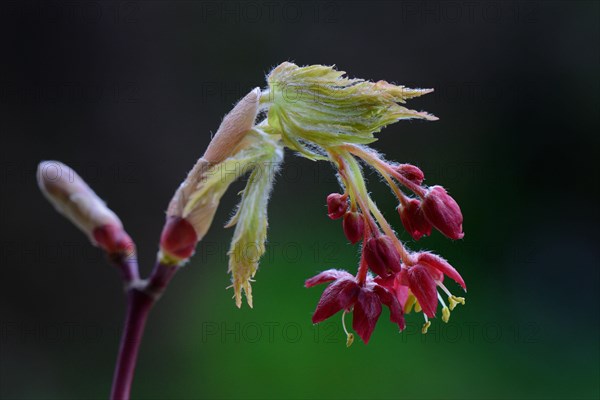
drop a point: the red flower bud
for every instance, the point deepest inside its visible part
(381, 256)
(414, 220)
(354, 226)
(443, 212)
(337, 205)
(178, 238)
(411, 172)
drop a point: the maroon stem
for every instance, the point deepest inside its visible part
(361, 276)
(138, 308)
(140, 298)
(127, 264)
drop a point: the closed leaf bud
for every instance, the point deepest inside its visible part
(414, 220)
(197, 198)
(381, 256)
(337, 205)
(74, 199)
(443, 212)
(233, 128)
(354, 226)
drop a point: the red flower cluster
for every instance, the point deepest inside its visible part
(401, 280)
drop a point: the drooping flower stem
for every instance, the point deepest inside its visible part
(370, 208)
(397, 191)
(349, 187)
(352, 177)
(363, 268)
(373, 159)
(387, 229)
(401, 196)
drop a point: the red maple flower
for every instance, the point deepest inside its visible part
(363, 300)
(422, 280)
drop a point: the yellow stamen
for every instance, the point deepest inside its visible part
(445, 314)
(410, 302)
(349, 339)
(349, 336)
(426, 326)
(453, 300)
(418, 307)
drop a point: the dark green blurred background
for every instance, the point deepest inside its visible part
(128, 94)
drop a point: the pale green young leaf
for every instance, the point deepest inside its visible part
(316, 106)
